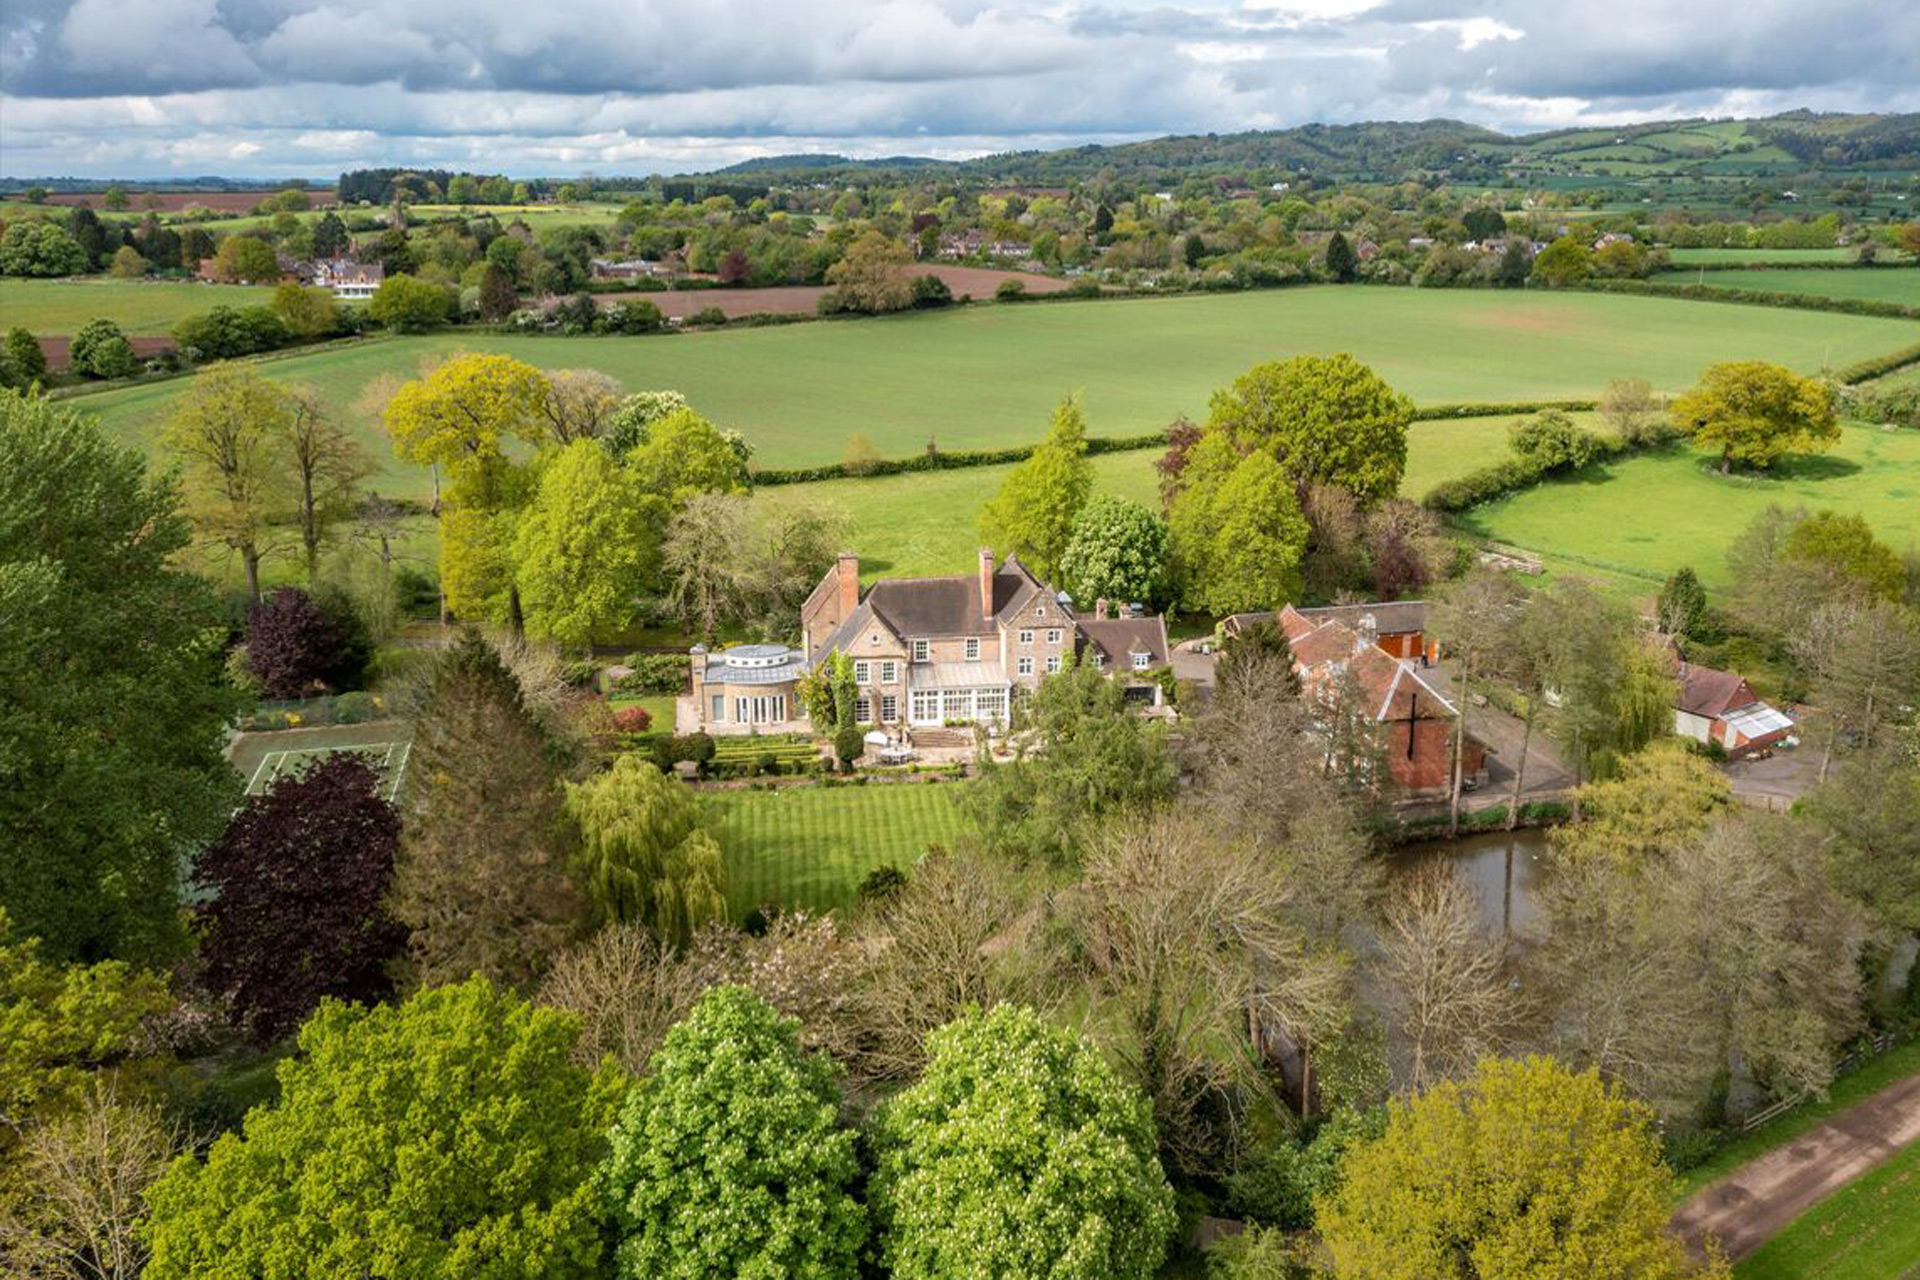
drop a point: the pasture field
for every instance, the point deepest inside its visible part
(1867, 1230)
(1760, 257)
(139, 307)
(810, 846)
(986, 377)
(1645, 516)
(923, 522)
(1882, 284)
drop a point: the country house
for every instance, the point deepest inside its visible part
(927, 652)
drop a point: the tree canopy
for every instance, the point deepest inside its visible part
(1238, 532)
(1117, 552)
(447, 1137)
(1033, 514)
(1324, 419)
(728, 1159)
(1525, 1171)
(647, 853)
(583, 551)
(1755, 413)
(1018, 1152)
(112, 703)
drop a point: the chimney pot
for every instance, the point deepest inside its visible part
(1100, 609)
(848, 567)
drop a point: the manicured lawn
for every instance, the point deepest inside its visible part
(1856, 1086)
(139, 307)
(1648, 515)
(1761, 256)
(989, 376)
(1882, 284)
(923, 523)
(810, 846)
(1867, 1230)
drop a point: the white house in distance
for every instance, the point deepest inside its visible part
(350, 280)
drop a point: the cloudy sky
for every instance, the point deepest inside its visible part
(139, 88)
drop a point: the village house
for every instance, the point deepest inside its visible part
(623, 268)
(1720, 706)
(1335, 660)
(927, 652)
(348, 279)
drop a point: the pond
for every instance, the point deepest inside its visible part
(1504, 869)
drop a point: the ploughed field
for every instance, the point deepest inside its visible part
(987, 376)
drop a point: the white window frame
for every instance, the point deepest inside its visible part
(1141, 661)
(973, 648)
(863, 710)
(1053, 635)
(1053, 664)
(925, 705)
(889, 672)
(1026, 635)
(863, 672)
(889, 708)
(717, 709)
(919, 650)
(1024, 666)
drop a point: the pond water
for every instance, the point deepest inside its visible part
(1503, 868)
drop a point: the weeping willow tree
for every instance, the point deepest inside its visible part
(647, 854)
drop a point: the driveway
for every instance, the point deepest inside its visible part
(1547, 773)
(1745, 1209)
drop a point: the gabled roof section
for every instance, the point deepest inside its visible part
(925, 607)
(1118, 639)
(829, 583)
(1390, 617)
(1705, 691)
(853, 625)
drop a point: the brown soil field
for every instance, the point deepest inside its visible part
(805, 299)
(56, 349)
(174, 201)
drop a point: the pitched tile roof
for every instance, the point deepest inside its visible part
(1118, 639)
(1705, 691)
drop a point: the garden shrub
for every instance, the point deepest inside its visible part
(655, 673)
(632, 720)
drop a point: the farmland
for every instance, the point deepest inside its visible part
(1883, 284)
(988, 376)
(811, 846)
(1759, 257)
(138, 307)
(1646, 516)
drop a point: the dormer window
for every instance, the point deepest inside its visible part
(919, 650)
(973, 648)
(1141, 661)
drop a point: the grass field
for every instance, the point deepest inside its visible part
(1882, 284)
(923, 523)
(1646, 516)
(989, 376)
(259, 758)
(1867, 1230)
(138, 307)
(1761, 256)
(811, 846)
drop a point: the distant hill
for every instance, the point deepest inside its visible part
(1798, 141)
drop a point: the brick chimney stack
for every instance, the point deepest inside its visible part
(848, 569)
(986, 582)
(1100, 609)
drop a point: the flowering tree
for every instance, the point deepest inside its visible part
(729, 1160)
(1019, 1152)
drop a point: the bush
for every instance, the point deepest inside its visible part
(1011, 291)
(656, 673)
(884, 882)
(708, 317)
(931, 291)
(356, 708)
(848, 744)
(100, 350)
(632, 720)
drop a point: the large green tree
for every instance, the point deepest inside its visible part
(1525, 1172)
(1324, 419)
(112, 703)
(449, 1137)
(1033, 514)
(1019, 1152)
(583, 550)
(1755, 413)
(1238, 532)
(728, 1160)
(481, 878)
(647, 851)
(1118, 552)
(225, 434)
